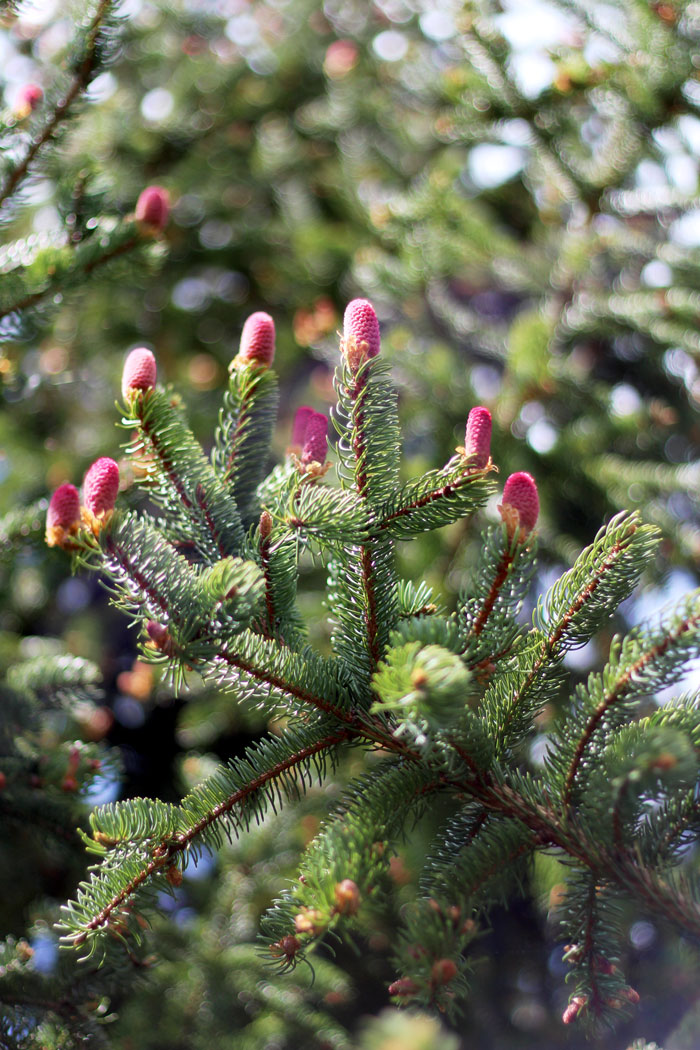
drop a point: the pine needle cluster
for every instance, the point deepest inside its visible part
(440, 701)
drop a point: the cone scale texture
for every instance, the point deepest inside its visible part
(361, 338)
(140, 371)
(100, 486)
(258, 339)
(477, 439)
(520, 492)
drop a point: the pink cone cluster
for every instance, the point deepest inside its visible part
(65, 515)
(257, 340)
(153, 207)
(477, 439)
(520, 495)
(140, 371)
(361, 338)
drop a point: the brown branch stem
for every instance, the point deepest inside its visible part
(446, 490)
(497, 583)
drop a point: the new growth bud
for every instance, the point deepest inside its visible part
(574, 1008)
(158, 636)
(258, 340)
(521, 503)
(405, 986)
(347, 897)
(153, 208)
(299, 425)
(477, 439)
(310, 920)
(265, 525)
(29, 97)
(443, 971)
(139, 372)
(100, 487)
(315, 446)
(63, 515)
(360, 333)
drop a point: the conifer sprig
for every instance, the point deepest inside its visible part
(91, 50)
(448, 697)
(179, 475)
(146, 844)
(246, 422)
(65, 267)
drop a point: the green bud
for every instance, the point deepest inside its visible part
(423, 682)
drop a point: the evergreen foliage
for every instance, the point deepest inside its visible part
(452, 734)
(447, 707)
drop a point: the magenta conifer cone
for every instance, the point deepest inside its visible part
(64, 507)
(153, 207)
(360, 333)
(101, 485)
(520, 492)
(301, 421)
(477, 440)
(315, 440)
(28, 99)
(258, 339)
(140, 371)
(157, 632)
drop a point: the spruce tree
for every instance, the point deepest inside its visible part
(568, 290)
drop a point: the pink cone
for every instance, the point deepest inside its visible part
(101, 485)
(153, 207)
(64, 508)
(477, 440)
(157, 632)
(520, 492)
(315, 440)
(258, 339)
(28, 99)
(139, 371)
(301, 421)
(360, 332)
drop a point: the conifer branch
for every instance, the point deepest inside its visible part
(266, 677)
(245, 428)
(499, 580)
(584, 597)
(76, 269)
(162, 454)
(368, 577)
(163, 855)
(178, 470)
(268, 624)
(612, 696)
(61, 112)
(366, 560)
(399, 679)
